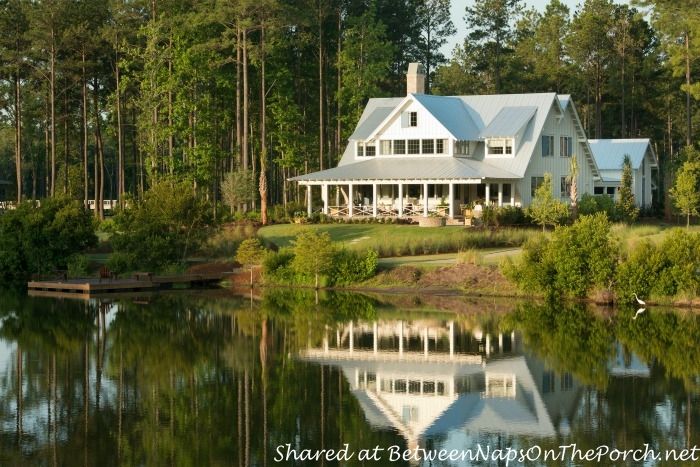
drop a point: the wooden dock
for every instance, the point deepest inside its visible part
(92, 287)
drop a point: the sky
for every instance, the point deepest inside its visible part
(458, 7)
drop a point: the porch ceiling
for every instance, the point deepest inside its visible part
(409, 168)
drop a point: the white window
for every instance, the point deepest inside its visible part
(566, 146)
(462, 148)
(440, 146)
(399, 146)
(360, 149)
(414, 146)
(385, 147)
(598, 190)
(498, 146)
(428, 146)
(370, 150)
(547, 146)
(413, 119)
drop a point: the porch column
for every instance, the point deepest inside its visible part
(426, 342)
(512, 194)
(308, 200)
(400, 199)
(374, 200)
(324, 195)
(452, 200)
(425, 200)
(452, 339)
(488, 194)
(500, 195)
(350, 200)
(401, 338)
(488, 344)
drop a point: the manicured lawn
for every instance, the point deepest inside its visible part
(402, 240)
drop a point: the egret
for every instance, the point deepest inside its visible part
(639, 312)
(640, 301)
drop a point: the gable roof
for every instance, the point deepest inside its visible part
(508, 121)
(610, 153)
(452, 114)
(376, 111)
(472, 118)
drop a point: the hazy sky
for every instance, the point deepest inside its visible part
(458, 7)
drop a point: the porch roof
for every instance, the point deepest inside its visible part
(409, 168)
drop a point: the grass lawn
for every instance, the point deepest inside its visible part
(403, 240)
(630, 236)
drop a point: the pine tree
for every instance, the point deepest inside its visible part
(435, 27)
(626, 206)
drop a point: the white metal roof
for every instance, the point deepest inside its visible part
(452, 114)
(508, 122)
(407, 168)
(610, 153)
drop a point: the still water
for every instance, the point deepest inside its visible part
(211, 378)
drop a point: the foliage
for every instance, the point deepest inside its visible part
(504, 216)
(77, 265)
(544, 209)
(313, 253)
(40, 238)
(575, 260)
(350, 267)
(251, 252)
(685, 192)
(238, 187)
(626, 208)
(435, 25)
(592, 204)
(162, 229)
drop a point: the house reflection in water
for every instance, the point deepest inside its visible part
(430, 378)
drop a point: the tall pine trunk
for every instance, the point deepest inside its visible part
(18, 135)
(263, 142)
(120, 140)
(84, 130)
(52, 105)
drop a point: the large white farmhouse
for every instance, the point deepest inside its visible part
(422, 154)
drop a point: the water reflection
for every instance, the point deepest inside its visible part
(427, 378)
(213, 378)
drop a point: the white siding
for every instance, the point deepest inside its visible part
(556, 165)
(428, 126)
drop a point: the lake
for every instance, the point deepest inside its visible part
(199, 378)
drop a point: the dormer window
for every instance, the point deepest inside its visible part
(366, 149)
(409, 119)
(499, 146)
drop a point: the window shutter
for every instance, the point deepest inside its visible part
(404, 119)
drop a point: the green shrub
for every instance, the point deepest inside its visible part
(77, 266)
(576, 259)
(277, 268)
(593, 204)
(162, 229)
(644, 272)
(41, 238)
(350, 267)
(682, 250)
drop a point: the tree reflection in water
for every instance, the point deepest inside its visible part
(216, 379)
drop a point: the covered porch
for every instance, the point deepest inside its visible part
(408, 187)
(406, 198)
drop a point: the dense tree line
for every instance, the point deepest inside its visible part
(100, 99)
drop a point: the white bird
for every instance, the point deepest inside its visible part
(640, 301)
(639, 312)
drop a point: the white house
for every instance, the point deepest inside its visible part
(610, 154)
(422, 154)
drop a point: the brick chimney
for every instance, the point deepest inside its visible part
(415, 79)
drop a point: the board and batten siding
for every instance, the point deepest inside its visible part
(428, 126)
(556, 165)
